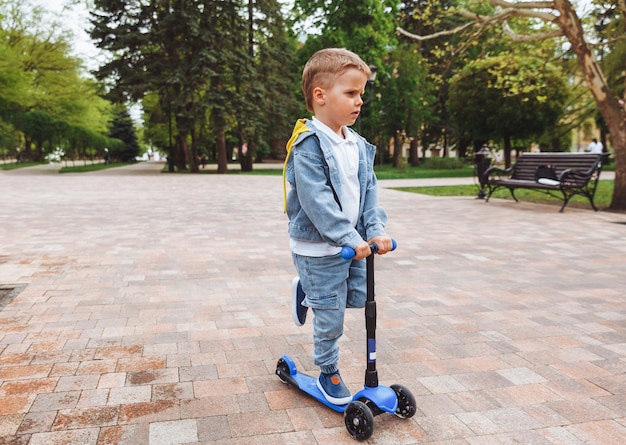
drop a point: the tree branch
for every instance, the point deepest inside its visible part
(523, 5)
(504, 14)
(448, 32)
(529, 37)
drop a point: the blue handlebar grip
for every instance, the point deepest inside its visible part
(347, 253)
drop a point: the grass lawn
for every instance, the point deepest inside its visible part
(602, 198)
(382, 172)
(15, 165)
(388, 172)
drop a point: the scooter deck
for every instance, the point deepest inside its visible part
(308, 385)
(383, 397)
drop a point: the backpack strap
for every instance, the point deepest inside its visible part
(298, 129)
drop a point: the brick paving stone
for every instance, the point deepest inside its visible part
(124, 435)
(37, 422)
(129, 394)
(160, 410)
(77, 382)
(599, 433)
(244, 425)
(173, 432)
(26, 387)
(212, 429)
(88, 436)
(148, 316)
(9, 424)
(84, 418)
(172, 391)
(55, 401)
(93, 397)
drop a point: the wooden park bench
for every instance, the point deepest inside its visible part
(572, 174)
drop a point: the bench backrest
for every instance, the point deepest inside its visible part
(526, 165)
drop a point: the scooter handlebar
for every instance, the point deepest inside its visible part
(347, 253)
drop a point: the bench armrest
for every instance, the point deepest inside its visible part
(572, 173)
(497, 171)
(581, 174)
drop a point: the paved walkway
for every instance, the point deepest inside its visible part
(155, 308)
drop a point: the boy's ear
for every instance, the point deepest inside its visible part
(318, 96)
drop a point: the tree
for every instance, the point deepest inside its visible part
(506, 97)
(161, 47)
(122, 128)
(201, 59)
(267, 105)
(362, 26)
(38, 127)
(561, 20)
(406, 100)
(42, 88)
(443, 57)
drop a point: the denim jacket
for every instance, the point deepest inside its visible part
(313, 205)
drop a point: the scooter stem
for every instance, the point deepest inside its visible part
(371, 374)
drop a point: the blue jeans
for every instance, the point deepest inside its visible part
(331, 284)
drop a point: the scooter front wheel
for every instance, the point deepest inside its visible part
(406, 402)
(359, 420)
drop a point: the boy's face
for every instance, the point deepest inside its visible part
(339, 104)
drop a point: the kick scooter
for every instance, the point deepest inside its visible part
(373, 399)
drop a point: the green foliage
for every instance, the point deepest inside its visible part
(610, 26)
(44, 95)
(506, 97)
(207, 71)
(444, 163)
(363, 26)
(122, 129)
(406, 95)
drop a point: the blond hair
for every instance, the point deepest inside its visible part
(325, 66)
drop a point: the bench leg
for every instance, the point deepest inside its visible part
(490, 190)
(513, 194)
(566, 199)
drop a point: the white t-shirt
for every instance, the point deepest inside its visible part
(595, 147)
(346, 153)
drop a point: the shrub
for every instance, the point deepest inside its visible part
(443, 163)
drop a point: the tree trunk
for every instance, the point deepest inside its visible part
(181, 154)
(189, 156)
(397, 149)
(414, 158)
(222, 162)
(461, 148)
(613, 114)
(245, 151)
(507, 152)
(194, 159)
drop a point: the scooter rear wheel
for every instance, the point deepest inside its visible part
(359, 420)
(282, 370)
(406, 402)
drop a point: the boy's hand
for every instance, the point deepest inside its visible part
(384, 243)
(362, 251)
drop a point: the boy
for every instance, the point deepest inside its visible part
(333, 202)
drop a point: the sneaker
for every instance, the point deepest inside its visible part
(298, 310)
(333, 389)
